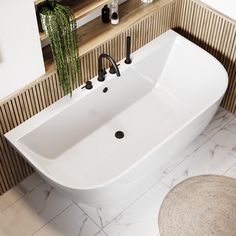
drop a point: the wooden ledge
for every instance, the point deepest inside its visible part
(80, 8)
(95, 33)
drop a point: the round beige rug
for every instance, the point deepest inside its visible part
(200, 206)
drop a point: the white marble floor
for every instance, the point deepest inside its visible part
(35, 208)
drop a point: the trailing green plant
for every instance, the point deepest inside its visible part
(59, 24)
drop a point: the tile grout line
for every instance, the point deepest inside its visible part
(100, 228)
(77, 205)
(221, 127)
(229, 169)
(208, 138)
(223, 174)
(187, 157)
(222, 147)
(22, 196)
(122, 210)
(52, 219)
(137, 199)
(105, 232)
(166, 185)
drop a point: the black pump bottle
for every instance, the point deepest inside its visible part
(105, 14)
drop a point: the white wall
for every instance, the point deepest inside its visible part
(21, 59)
(227, 7)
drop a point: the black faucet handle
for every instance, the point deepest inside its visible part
(101, 75)
(88, 85)
(113, 69)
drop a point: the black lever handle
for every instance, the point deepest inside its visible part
(88, 85)
(128, 49)
(112, 69)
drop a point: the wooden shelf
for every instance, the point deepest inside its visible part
(80, 8)
(94, 33)
(38, 1)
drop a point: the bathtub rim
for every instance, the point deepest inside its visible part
(13, 138)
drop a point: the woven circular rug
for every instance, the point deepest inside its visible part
(200, 206)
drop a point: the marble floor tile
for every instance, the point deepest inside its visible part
(32, 211)
(101, 216)
(141, 218)
(71, 222)
(226, 137)
(221, 118)
(208, 159)
(180, 157)
(24, 187)
(31, 182)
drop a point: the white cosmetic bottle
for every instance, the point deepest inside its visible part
(114, 12)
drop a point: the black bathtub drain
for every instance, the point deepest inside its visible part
(119, 134)
(105, 89)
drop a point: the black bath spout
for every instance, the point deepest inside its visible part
(128, 49)
(101, 71)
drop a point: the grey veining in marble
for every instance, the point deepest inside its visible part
(231, 172)
(226, 137)
(180, 157)
(221, 118)
(141, 218)
(16, 193)
(32, 211)
(208, 159)
(102, 216)
(71, 222)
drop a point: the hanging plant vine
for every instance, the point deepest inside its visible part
(59, 24)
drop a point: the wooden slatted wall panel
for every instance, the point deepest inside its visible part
(46, 91)
(215, 33)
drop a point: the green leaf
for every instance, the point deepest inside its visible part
(59, 24)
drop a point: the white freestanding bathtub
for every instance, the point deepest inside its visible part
(161, 102)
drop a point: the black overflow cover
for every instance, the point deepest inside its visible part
(119, 134)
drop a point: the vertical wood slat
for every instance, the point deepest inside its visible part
(190, 18)
(217, 35)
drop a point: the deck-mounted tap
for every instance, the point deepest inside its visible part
(101, 71)
(128, 49)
